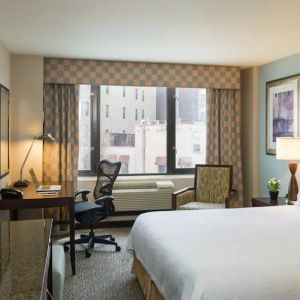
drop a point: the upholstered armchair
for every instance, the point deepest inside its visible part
(212, 189)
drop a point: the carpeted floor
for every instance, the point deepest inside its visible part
(106, 275)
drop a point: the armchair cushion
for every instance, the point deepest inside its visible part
(200, 205)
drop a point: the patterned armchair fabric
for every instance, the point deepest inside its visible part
(185, 198)
(212, 184)
(212, 189)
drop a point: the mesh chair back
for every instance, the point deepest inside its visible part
(107, 172)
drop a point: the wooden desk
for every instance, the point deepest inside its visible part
(32, 199)
(25, 259)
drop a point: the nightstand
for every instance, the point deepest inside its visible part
(266, 201)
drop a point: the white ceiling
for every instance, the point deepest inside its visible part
(225, 32)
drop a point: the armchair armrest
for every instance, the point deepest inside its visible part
(183, 196)
(83, 194)
(232, 200)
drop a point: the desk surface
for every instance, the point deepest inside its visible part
(33, 199)
(24, 247)
(67, 191)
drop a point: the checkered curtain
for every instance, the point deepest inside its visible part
(60, 158)
(223, 144)
(98, 72)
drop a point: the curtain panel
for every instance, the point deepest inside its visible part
(60, 158)
(223, 145)
(98, 72)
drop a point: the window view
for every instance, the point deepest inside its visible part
(190, 127)
(138, 140)
(130, 124)
(84, 162)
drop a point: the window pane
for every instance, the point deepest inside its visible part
(135, 132)
(190, 127)
(84, 162)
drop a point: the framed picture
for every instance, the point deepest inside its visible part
(4, 131)
(282, 110)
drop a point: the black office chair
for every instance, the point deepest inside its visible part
(89, 214)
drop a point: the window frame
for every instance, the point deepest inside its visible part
(170, 136)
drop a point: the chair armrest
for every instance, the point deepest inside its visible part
(107, 202)
(182, 197)
(83, 194)
(232, 201)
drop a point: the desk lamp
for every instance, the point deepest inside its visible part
(288, 148)
(44, 137)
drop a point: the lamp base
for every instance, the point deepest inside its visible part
(21, 183)
(293, 186)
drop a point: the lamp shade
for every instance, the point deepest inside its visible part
(288, 148)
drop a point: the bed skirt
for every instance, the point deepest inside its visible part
(147, 285)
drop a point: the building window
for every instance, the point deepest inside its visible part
(124, 91)
(168, 142)
(136, 94)
(196, 148)
(143, 95)
(107, 111)
(124, 112)
(107, 90)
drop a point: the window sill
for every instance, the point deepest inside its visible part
(140, 177)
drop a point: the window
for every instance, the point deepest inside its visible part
(107, 111)
(124, 112)
(107, 89)
(136, 94)
(84, 162)
(190, 126)
(196, 148)
(167, 138)
(124, 92)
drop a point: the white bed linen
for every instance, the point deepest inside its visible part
(246, 253)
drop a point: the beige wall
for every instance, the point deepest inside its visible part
(27, 113)
(5, 80)
(250, 133)
(26, 119)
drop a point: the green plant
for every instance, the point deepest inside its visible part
(274, 184)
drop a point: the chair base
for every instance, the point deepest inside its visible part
(91, 239)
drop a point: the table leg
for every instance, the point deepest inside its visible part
(72, 236)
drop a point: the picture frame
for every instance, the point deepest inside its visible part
(4, 131)
(282, 110)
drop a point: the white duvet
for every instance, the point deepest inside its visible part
(246, 253)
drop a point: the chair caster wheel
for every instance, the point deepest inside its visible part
(112, 239)
(87, 254)
(118, 248)
(66, 248)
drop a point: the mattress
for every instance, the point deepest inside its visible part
(246, 253)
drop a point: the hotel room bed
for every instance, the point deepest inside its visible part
(246, 253)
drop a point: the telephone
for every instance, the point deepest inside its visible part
(8, 193)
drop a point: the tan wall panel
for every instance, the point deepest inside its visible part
(250, 136)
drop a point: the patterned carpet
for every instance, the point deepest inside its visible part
(106, 275)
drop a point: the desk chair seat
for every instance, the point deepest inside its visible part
(90, 213)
